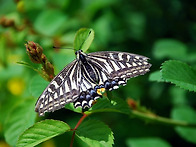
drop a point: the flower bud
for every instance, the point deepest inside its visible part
(132, 103)
(48, 68)
(34, 51)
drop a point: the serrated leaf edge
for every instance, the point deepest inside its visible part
(166, 80)
(97, 121)
(39, 123)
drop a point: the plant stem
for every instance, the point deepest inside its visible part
(74, 130)
(80, 121)
(162, 120)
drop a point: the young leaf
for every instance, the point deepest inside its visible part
(116, 105)
(185, 113)
(27, 65)
(19, 119)
(41, 132)
(179, 73)
(95, 133)
(147, 142)
(83, 39)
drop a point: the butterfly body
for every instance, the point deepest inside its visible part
(88, 76)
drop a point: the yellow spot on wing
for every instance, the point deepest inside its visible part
(100, 91)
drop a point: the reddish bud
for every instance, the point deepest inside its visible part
(34, 51)
(132, 103)
(50, 70)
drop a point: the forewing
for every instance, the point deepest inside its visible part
(120, 65)
(63, 89)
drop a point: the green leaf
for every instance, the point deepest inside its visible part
(70, 106)
(27, 65)
(156, 76)
(83, 39)
(179, 73)
(104, 105)
(147, 142)
(37, 86)
(95, 133)
(41, 132)
(188, 114)
(116, 105)
(19, 119)
(50, 22)
(169, 48)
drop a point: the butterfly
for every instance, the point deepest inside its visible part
(88, 76)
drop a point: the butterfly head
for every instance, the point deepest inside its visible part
(80, 56)
(78, 52)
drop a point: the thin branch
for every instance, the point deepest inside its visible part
(77, 125)
(143, 113)
(159, 119)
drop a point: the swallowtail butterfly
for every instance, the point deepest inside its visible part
(88, 76)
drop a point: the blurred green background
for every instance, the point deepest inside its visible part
(160, 30)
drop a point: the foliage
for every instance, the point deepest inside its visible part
(95, 133)
(147, 142)
(180, 74)
(13, 127)
(42, 131)
(161, 106)
(83, 39)
(185, 113)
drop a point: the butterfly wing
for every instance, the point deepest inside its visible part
(113, 69)
(63, 89)
(120, 65)
(73, 83)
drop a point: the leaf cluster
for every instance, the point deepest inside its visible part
(163, 106)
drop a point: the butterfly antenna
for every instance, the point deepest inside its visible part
(69, 48)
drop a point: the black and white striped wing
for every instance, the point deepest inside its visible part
(82, 82)
(119, 65)
(63, 89)
(113, 69)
